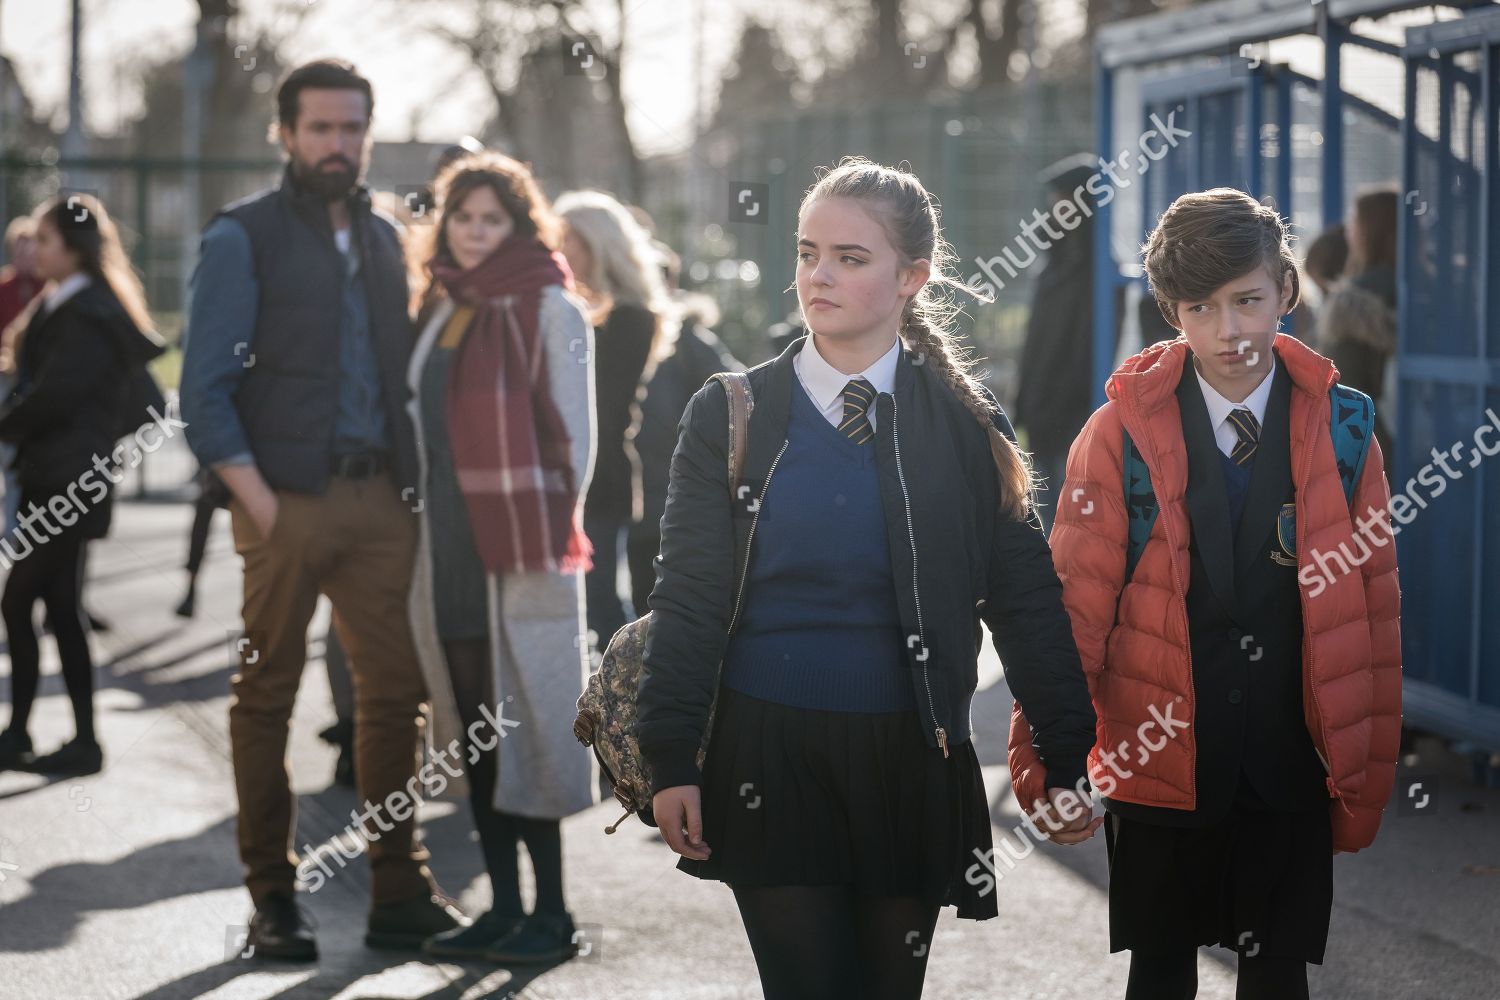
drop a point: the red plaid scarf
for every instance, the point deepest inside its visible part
(510, 447)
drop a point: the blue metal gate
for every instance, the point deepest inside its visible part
(1449, 371)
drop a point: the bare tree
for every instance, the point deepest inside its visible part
(998, 39)
(543, 61)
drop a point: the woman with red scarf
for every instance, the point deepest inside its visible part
(502, 383)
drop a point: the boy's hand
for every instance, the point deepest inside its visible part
(1066, 818)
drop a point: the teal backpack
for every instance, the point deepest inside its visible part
(1351, 421)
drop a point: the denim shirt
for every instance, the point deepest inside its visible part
(219, 347)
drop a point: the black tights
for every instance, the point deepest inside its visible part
(820, 942)
(500, 832)
(203, 520)
(1174, 976)
(52, 573)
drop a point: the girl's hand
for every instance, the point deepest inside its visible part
(1066, 818)
(679, 816)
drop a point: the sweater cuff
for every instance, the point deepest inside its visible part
(1071, 773)
(673, 764)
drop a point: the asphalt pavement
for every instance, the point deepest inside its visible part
(126, 884)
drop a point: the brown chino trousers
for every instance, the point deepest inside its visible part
(356, 543)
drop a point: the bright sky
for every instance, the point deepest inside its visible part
(419, 81)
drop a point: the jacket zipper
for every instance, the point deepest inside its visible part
(911, 537)
(739, 593)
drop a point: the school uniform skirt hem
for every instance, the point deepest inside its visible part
(795, 796)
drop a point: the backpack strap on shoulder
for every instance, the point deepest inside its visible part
(1140, 503)
(1351, 425)
(741, 405)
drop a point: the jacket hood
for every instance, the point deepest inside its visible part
(1149, 379)
(100, 305)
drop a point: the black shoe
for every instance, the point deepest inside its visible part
(409, 923)
(189, 602)
(278, 930)
(341, 735)
(343, 768)
(15, 750)
(74, 758)
(542, 939)
(474, 940)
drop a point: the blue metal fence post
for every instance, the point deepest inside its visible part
(1284, 84)
(1332, 34)
(1254, 115)
(1105, 275)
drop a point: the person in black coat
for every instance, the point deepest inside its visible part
(83, 343)
(884, 516)
(1055, 395)
(691, 359)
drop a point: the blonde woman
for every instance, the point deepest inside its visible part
(618, 269)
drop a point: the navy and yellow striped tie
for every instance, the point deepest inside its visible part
(1248, 429)
(858, 395)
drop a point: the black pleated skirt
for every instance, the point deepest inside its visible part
(1259, 882)
(795, 796)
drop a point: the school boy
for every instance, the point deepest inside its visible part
(1197, 503)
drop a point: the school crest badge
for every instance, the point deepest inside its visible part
(1286, 536)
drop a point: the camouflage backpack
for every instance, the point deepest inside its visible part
(607, 708)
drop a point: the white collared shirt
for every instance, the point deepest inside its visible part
(65, 290)
(1219, 407)
(825, 383)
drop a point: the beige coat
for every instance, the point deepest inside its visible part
(537, 628)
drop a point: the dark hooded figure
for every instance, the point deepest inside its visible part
(1055, 396)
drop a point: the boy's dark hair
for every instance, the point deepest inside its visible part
(324, 74)
(1207, 239)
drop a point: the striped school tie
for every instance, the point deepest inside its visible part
(1248, 429)
(858, 395)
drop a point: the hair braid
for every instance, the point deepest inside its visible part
(955, 364)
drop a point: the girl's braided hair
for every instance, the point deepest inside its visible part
(910, 216)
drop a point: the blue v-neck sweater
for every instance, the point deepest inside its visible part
(819, 626)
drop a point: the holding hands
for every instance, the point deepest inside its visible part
(1066, 818)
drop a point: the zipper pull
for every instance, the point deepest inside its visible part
(942, 738)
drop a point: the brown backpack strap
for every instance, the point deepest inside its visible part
(741, 405)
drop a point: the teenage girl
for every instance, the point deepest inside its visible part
(83, 338)
(885, 512)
